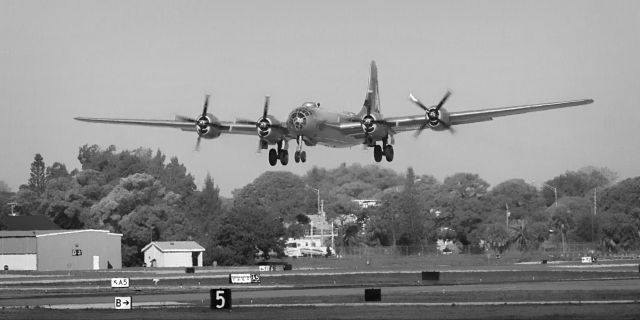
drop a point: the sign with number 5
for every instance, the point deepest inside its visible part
(220, 298)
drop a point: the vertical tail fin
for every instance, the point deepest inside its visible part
(372, 99)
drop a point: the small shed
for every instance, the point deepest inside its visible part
(173, 254)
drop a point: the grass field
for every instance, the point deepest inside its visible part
(310, 274)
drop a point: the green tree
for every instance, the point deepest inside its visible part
(245, 231)
(461, 205)
(37, 177)
(280, 193)
(497, 237)
(204, 213)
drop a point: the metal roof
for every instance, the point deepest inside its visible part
(27, 223)
(44, 233)
(174, 246)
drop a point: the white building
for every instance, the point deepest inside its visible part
(173, 254)
(46, 250)
(366, 203)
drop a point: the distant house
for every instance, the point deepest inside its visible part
(173, 254)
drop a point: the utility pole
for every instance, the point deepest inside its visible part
(595, 208)
(12, 205)
(507, 213)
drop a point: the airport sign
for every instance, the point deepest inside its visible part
(244, 278)
(119, 282)
(122, 303)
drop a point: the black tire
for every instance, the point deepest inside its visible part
(377, 153)
(388, 152)
(303, 156)
(296, 156)
(273, 157)
(284, 157)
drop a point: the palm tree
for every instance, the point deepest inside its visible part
(519, 234)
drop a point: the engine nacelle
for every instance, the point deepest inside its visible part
(438, 120)
(268, 130)
(206, 127)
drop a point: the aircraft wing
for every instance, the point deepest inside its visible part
(224, 126)
(408, 123)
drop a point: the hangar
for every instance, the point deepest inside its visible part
(48, 250)
(173, 254)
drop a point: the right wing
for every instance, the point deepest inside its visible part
(223, 126)
(414, 122)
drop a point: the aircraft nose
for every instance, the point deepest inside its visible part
(298, 121)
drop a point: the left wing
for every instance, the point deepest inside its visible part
(223, 126)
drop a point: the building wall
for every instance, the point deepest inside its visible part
(55, 250)
(18, 245)
(151, 254)
(18, 261)
(177, 259)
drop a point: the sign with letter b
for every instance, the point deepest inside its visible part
(220, 298)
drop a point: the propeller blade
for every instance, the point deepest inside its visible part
(259, 146)
(245, 121)
(198, 144)
(448, 127)
(417, 102)
(206, 105)
(422, 127)
(185, 119)
(444, 99)
(266, 106)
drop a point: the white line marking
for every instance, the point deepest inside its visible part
(437, 304)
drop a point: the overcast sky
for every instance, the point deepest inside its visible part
(156, 59)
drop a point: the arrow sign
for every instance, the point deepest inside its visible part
(122, 303)
(119, 282)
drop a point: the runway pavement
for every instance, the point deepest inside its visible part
(606, 285)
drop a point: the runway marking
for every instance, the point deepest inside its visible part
(437, 304)
(175, 304)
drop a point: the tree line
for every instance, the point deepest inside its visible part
(141, 195)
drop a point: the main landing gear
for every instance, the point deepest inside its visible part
(280, 154)
(300, 155)
(385, 150)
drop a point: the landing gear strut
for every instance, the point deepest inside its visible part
(300, 155)
(280, 153)
(385, 150)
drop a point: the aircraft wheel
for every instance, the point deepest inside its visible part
(284, 157)
(273, 157)
(296, 156)
(303, 156)
(377, 153)
(388, 152)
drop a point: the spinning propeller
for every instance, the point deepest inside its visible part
(264, 124)
(203, 123)
(432, 115)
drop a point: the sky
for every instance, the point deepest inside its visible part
(156, 59)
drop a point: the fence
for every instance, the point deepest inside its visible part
(387, 251)
(572, 251)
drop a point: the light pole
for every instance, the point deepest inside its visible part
(12, 205)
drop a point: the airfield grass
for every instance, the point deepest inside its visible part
(370, 263)
(371, 311)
